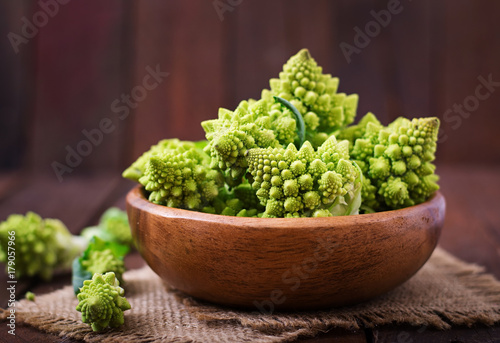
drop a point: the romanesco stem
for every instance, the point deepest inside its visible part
(300, 121)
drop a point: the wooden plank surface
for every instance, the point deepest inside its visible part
(16, 93)
(472, 224)
(65, 79)
(466, 55)
(79, 74)
(479, 334)
(185, 40)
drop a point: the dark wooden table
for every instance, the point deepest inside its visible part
(471, 232)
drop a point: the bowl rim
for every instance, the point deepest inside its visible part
(136, 198)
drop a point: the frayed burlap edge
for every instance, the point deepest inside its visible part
(368, 315)
(482, 289)
(67, 328)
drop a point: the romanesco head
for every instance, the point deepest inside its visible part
(303, 83)
(101, 302)
(298, 183)
(253, 124)
(136, 170)
(181, 179)
(396, 160)
(103, 261)
(41, 245)
(115, 222)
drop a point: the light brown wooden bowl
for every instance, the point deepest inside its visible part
(285, 264)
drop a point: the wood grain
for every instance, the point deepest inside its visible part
(463, 234)
(292, 264)
(78, 59)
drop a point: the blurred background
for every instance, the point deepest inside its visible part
(87, 86)
(64, 63)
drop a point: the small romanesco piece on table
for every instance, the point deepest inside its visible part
(30, 296)
(113, 227)
(102, 302)
(42, 245)
(103, 261)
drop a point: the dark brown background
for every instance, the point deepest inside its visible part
(66, 77)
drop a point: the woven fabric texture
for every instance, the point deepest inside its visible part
(445, 292)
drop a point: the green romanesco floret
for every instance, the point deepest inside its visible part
(240, 201)
(353, 132)
(266, 123)
(306, 182)
(113, 226)
(137, 169)
(30, 296)
(104, 261)
(314, 94)
(397, 161)
(253, 124)
(41, 245)
(181, 178)
(101, 256)
(102, 302)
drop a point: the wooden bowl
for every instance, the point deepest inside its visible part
(283, 263)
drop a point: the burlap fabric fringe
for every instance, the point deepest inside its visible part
(446, 291)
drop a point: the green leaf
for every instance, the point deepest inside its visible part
(301, 128)
(96, 231)
(79, 274)
(98, 244)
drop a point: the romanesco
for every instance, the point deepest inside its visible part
(305, 182)
(396, 160)
(251, 125)
(102, 302)
(266, 123)
(137, 169)
(178, 175)
(113, 226)
(103, 261)
(30, 296)
(291, 153)
(240, 201)
(101, 256)
(42, 245)
(314, 94)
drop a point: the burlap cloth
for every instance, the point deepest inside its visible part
(445, 292)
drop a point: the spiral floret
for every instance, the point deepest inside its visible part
(397, 161)
(314, 94)
(42, 245)
(305, 182)
(102, 302)
(181, 179)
